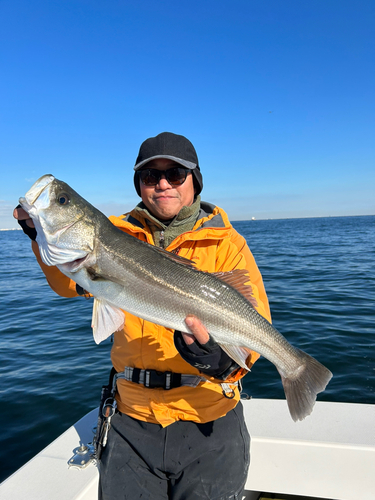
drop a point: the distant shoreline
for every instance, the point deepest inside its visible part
(299, 218)
(254, 219)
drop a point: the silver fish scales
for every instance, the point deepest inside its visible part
(126, 274)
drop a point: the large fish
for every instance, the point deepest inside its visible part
(126, 274)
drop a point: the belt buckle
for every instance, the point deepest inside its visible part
(155, 379)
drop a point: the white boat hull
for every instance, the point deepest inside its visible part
(331, 454)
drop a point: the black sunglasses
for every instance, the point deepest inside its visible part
(175, 176)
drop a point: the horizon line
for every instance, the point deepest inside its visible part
(253, 219)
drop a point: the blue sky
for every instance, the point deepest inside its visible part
(276, 95)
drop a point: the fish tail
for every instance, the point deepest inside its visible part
(301, 389)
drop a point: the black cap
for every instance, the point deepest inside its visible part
(173, 147)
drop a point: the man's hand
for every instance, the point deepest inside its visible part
(198, 331)
(202, 352)
(20, 214)
(25, 221)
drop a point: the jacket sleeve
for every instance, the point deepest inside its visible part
(59, 283)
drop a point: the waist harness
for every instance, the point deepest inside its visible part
(153, 379)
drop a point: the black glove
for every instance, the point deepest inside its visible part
(209, 358)
(80, 290)
(30, 231)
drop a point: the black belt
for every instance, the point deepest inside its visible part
(153, 379)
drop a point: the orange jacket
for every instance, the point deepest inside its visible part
(214, 245)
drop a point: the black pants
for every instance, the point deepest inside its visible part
(184, 461)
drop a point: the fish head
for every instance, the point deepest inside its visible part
(65, 223)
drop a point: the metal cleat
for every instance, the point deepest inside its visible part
(83, 456)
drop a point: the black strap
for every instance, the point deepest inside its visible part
(111, 376)
(136, 374)
(154, 379)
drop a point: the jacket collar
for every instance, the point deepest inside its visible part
(212, 223)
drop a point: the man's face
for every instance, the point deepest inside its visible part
(163, 200)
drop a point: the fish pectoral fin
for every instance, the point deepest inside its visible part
(240, 280)
(238, 354)
(106, 319)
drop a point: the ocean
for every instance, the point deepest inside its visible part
(319, 274)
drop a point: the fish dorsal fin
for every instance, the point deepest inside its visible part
(106, 319)
(174, 256)
(238, 279)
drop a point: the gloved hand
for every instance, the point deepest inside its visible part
(25, 222)
(208, 357)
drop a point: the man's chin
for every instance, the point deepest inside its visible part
(165, 210)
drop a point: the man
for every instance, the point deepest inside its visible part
(179, 432)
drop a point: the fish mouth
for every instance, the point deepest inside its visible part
(35, 191)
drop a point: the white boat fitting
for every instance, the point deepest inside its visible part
(330, 455)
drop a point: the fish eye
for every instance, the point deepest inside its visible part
(63, 199)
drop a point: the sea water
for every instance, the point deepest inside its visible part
(319, 274)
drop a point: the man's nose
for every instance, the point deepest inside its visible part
(163, 183)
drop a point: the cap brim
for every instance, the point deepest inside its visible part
(188, 164)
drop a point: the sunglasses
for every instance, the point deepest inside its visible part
(175, 176)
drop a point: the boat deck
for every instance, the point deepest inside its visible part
(330, 455)
(276, 496)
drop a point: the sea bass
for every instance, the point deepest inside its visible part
(126, 274)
